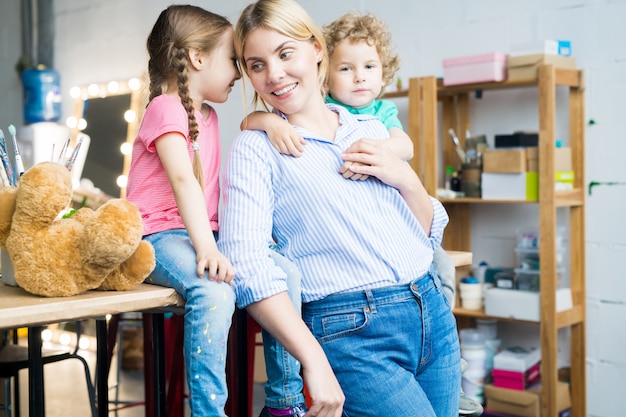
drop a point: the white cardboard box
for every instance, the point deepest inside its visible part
(516, 359)
(521, 305)
(510, 186)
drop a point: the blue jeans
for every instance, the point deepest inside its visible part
(209, 307)
(284, 385)
(394, 350)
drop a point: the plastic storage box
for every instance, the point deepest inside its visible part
(527, 280)
(528, 259)
(475, 69)
(529, 238)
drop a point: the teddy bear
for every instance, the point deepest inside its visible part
(56, 256)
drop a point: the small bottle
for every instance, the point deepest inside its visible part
(480, 271)
(455, 182)
(448, 179)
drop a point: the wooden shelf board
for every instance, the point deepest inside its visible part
(480, 314)
(570, 317)
(564, 77)
(569, 198)
(483, 201)
(460, 258)
(396, 94)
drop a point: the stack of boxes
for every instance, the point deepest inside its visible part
(504, 402)
(516, 368)
(499, 66)
(552, 52)
(516, 388)
(510, 171)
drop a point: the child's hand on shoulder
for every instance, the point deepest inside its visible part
(280, 132)
(285, 138)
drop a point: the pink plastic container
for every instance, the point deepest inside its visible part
(516, 380)
(475, 69)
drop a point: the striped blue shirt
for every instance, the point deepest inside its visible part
(343, 235)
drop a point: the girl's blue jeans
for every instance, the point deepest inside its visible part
(209, 307)
(394, 350)
(284, 385)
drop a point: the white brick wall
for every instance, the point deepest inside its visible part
(103, 40)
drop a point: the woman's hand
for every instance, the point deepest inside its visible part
(277, 315)
(367, 157)
(326, 395)
(376, 159)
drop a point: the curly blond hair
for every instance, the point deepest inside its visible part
(357, 27)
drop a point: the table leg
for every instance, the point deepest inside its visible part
(36, 405)
(102, 367)
(242, 359)
(237, 367)
(154, 369)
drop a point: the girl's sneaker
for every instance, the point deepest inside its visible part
(294, 411)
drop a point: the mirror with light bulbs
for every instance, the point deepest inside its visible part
(109, 113)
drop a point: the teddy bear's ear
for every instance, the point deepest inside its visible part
(7, 208)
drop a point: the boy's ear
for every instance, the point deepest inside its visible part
(195, 58)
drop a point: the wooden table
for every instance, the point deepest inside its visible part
(21, 309)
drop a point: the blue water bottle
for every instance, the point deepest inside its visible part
(42, 95)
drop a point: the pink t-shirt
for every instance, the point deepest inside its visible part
(148, 185)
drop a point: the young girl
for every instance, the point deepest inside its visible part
(174, 181)
(364, 247)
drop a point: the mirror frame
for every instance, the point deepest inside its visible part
(138, 100)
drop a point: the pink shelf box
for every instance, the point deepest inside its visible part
(475, 69)
(517, 380)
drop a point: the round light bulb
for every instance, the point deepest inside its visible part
(46, 335)
(134, 84)
(130, 116)
(93, 89)
(75, 92)
(126, 148)
(71, 122)
(122, 181)
(113, 87)
(65, 339)
(84, 343)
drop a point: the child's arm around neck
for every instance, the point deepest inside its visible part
(400, 143)
(280, 132)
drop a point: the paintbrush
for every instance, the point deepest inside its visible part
(61, 159)
(457, 145)
(6, 169)
(19, 165)
(70, 163)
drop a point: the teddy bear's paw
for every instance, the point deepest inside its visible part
(7, 208)
(49, 285)
(133, 271)
(113, 233)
